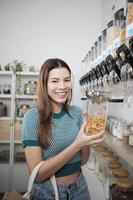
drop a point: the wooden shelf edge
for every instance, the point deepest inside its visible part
(123, 150)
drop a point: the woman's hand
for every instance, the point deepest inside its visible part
(85, 140)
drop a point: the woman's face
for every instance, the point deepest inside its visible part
(59, 85)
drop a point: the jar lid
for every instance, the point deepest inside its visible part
(106, 153)
(113, 162)
(114, 165)
(125, 183)
(111, 158)
(24, 106)
(101, 148)
(120, 172)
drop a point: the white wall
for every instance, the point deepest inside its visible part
(35, 30)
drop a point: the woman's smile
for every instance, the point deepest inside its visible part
(59, 85)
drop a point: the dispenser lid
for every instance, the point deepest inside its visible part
(125, 183)
(120, 172)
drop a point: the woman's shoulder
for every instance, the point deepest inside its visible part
(75, 109)
(32, 113)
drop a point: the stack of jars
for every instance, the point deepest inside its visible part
(114, 177)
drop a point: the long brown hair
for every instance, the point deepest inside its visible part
(43, 100)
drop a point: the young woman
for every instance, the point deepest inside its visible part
(52, 132)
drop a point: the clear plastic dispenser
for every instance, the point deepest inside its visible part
(97, 113)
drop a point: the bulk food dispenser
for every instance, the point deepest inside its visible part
(97, 112)
(119, 29)
(129, 22)
(125, 59)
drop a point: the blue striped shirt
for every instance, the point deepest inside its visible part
(65, 128)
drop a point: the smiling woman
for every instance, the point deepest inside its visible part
(59, 87)
(53, 132)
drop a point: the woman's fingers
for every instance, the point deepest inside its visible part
(97, 141)
(91, 137)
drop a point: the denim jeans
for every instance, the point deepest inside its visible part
(77, 190)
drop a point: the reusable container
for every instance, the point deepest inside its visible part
(97, 114)
(119, 29)
(129, 21)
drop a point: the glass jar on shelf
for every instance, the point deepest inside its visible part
(101, 174)
(119, 29)
(6, 88)
(97, 114)
(126, 132)
(110, 30)
(120, 129)
(123, 189)
(3, 109)
(30, 88)
(129, 21)
(22, 109)
(0, 89)
(114, 127)
(131, 135)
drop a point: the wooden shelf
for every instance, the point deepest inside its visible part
(19, 118)
(18, 142)
(27, 73)
(25, 96)
(4, 141)
(123, 150)
(5, 96)
(5, 118)
(6, 73)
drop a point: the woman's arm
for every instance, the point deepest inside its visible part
(51, 165)
(85, 152)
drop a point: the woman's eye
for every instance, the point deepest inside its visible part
(67, 80)
(54, 81)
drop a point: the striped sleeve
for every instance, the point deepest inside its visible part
(78, 114)
(30, 128)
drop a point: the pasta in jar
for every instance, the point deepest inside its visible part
(95, 124)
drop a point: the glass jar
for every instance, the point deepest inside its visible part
(22, 110)
(99, 45)
(120, 129)
(131, 140)
(97, 115)
(110, 30)
(105, 76)
(119, 29)
(106, 185)
(96, 49)
(126, 132)
(114, 127)
(129, 22)
(123, 189)
(126, 62)
(30, 88)
(3, 109)
(114, 74)
(131, 135)
(111, 124)
(6, 89)
(0, 89)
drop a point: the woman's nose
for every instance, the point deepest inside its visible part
(62, 85)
